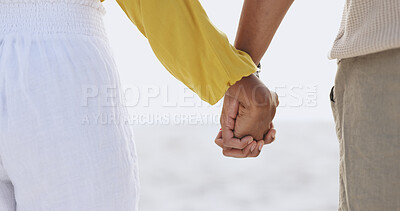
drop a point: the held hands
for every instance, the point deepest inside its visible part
(246, 119)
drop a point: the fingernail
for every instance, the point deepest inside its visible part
(260, 147)
(220, 129)
(250, 141)
(253, 147)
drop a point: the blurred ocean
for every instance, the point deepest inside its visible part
(181, 169)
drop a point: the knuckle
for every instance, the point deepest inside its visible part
(238, 133)
(230, 121)
(243, 144)
(226, 143)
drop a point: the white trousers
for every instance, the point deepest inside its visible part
(62, 144)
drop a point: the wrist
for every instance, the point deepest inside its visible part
(248, 90)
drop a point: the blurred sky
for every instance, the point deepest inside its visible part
(295, 65)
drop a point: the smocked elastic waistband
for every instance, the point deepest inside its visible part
(51, 16)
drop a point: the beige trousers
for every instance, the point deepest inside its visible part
(366, 106)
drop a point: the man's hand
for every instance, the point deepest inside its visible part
(249, 107)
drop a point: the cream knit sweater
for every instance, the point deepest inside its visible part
(368, 26)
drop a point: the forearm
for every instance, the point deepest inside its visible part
(191, 48)
(258, 23)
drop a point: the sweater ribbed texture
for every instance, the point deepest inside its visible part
(368, 26)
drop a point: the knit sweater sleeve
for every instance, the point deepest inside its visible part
(189, 46)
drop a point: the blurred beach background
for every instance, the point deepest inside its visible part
(181, 169)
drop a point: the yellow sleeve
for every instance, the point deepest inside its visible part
(189, 46)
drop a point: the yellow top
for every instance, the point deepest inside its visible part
(190, 47)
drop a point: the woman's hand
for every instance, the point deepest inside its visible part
(247, 146)
(248, 110)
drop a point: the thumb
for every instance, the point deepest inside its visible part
(228, 117)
